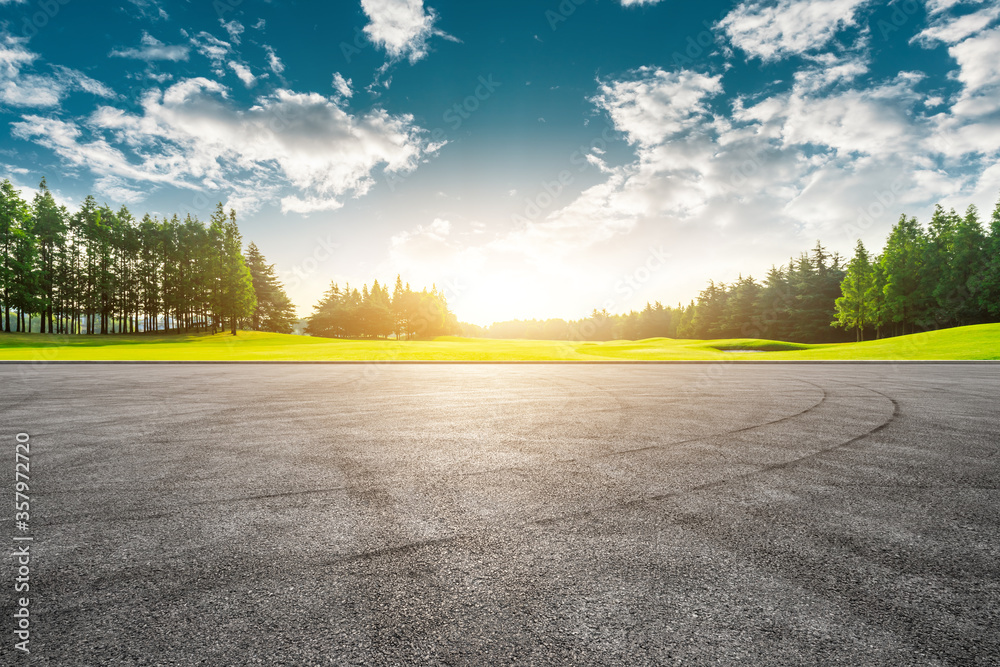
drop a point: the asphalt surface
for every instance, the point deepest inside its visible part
(463, 514)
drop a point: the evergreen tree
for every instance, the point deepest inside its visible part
(987, 284)
(14, 220)
(238, 293)
(902, 264)
(49, 230)
(855, 308)
(274, 310)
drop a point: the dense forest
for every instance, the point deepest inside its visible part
(947, 274)
(375, 313)
(103, 271)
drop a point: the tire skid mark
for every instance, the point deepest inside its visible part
(75, 518)
(713, 436)
(896, 411)
(729, 480)
(525, 470)
(372, 554)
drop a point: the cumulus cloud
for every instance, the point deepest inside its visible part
(191, 135)
(762, 179)
(401, 27)
(778, 29)
(151, 49)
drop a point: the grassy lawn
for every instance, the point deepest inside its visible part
(975, 342)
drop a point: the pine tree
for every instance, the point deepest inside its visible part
(987, 284)
(274, 310)
(14, 215)
(902, 265)
(237, 286)
(49, 229)
(855, 308)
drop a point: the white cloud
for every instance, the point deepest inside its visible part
(192, 136)
(150, 9)
(31, 91)
(401, 27)
(293, 204)
(273, 60)
(212, 48)
(638, 3)
(654, 104)
(75, 80)
(14, 56)
(243, 72)
(438, 230)
(781, 28)
(834, 157)
(978, 59)
(28, 89)
(234, 28)
(979, 72)
(118, 191)
(952, 29)
(342, 86)
(938, 6)
(153, 49)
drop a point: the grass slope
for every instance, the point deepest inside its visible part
(975, 342)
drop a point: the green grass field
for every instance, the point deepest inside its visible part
(975, 342)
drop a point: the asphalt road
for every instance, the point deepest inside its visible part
(464, 514)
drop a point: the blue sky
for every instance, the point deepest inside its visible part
(533, 158)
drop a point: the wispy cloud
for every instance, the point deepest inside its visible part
(234, 28)
(21, 85)
(342, 86)
(273, 61)
(151, 49)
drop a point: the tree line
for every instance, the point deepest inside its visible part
(375, 313)
(102, 271)
(947, 274)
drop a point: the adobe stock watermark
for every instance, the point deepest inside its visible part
(881, 201)
(748, 167)
(902, 12)
(22, 542)
(562, 12)
(321, 254)
(625, 288)
(223, 7)
(631, 283)
(46, 11)
(454, 117)
(550, 190)
(353, 48)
